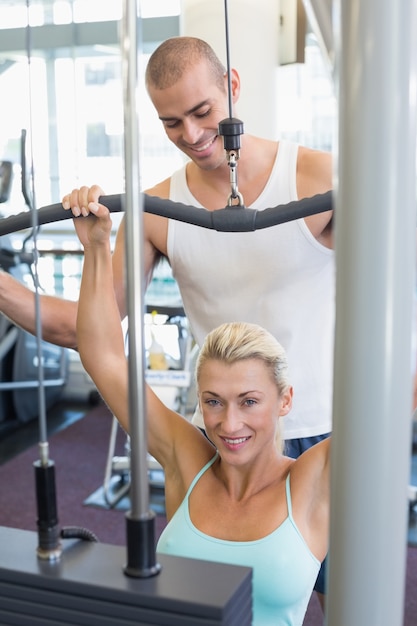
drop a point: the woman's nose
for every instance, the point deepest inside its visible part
(231, 420)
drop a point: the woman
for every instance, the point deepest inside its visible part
(231, 496)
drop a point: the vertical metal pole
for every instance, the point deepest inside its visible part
(375, 253)
(140, 520)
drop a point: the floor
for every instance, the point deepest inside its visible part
(412, 523)
(15, 440)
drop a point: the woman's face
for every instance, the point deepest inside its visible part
(241, 406)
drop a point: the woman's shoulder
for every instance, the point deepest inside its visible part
(314, 458)
(192, 451)
(309, 474)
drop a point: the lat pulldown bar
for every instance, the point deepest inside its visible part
(225, 220)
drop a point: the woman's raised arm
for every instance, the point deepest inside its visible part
(100, 336)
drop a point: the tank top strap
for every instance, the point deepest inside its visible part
(200, 473)
(288, 494)
(178, 188)
(281, 185)
(286, 168)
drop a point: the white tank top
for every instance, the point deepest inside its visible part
(279, 277)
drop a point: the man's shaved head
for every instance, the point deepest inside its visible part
(174, 56)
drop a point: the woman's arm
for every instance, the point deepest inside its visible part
(101, 342)
(78, 201)
(310, 493)
(99, 331)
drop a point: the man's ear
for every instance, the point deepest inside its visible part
(235, 84)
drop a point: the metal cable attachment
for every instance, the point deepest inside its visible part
(232, 158)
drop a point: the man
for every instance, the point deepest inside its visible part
(188, 87)
(281, 278)
(217, 272)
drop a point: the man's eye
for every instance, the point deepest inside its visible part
(171, 124)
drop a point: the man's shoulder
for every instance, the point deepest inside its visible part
(313, 155)
(313, 152)
(254, 144)
(314, 168)
(161, 190)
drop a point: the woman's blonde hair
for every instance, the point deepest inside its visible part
(238, 341)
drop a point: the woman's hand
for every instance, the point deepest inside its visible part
(83, 203)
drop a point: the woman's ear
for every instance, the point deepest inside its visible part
(286, 401)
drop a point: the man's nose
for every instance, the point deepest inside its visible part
(191, 132)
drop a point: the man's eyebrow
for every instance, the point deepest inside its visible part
(187, 113)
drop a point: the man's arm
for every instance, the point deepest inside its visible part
(154, 247)
(17, 303)
(315, 176)
(58, 316)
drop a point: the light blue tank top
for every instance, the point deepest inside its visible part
(284, 569)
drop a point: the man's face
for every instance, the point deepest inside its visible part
(190, 111)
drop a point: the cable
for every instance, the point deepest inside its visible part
(231, 128)
(76, 532)
(49, 545)
(229, 77)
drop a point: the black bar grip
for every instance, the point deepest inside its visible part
(229, 219)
